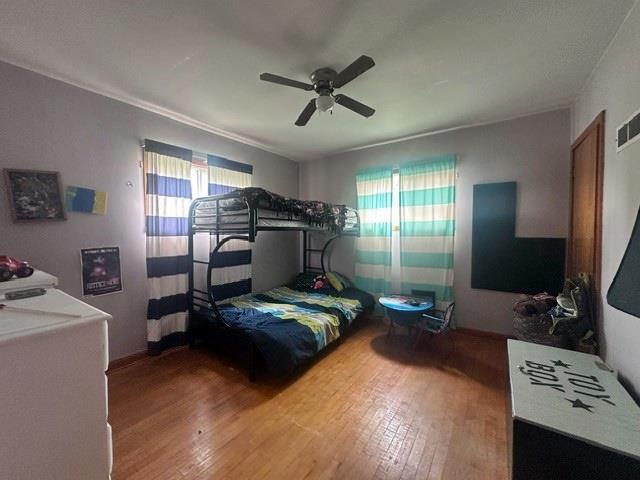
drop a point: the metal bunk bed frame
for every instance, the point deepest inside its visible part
(246, 230)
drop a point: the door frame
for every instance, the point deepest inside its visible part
(596, 125)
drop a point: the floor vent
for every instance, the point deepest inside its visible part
(628, 132)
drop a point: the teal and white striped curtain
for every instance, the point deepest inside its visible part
(427, 227)
(231, 275)
(373, 247)
(167, 199)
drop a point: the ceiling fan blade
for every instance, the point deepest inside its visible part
(270, 77)
(354, 70)
(354, 105)
(306, 113)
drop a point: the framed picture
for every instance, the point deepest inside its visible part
(34, 195)
(101, 270)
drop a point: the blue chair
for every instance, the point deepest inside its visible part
(435, 322)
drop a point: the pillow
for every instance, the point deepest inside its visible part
(303, 282)
(338, 281)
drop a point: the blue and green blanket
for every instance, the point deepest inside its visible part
(290, 326)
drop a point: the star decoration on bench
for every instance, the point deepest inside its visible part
(577, 403)
(560, 363)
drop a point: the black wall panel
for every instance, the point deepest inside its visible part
(624, 293)
(500, 260)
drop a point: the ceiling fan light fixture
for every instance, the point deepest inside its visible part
(324, 81)
(325, 102)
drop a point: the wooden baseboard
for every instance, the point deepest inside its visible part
(483, 333)
(126, 361)
(140, 356)
(465, 331)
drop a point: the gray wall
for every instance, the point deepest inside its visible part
(534, 151)
(94, 141)
(614, 87)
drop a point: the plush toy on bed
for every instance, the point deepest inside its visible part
(320, 282)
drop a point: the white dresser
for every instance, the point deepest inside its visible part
(53, 388)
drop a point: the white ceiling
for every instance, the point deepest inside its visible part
(439, 64)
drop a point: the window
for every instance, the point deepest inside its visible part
(407, 217)
(395, 230)
(200, 188)
(199, 179)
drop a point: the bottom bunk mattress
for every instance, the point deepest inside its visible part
(288, 326)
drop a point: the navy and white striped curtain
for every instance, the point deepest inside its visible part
(167, 199)
(231, 275)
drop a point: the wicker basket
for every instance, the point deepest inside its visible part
(535, 329)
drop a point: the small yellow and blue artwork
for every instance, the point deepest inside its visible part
(86, 200)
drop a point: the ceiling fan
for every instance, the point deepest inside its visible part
(324, 81)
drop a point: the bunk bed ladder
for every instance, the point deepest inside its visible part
(307, 262)
(308, 265)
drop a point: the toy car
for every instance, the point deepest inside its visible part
(10, 266)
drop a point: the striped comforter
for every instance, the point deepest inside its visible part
(290, 326)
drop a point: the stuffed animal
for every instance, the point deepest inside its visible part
(319, 282)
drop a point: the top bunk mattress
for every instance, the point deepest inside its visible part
(231, 212)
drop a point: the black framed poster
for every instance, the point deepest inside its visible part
(101, 270)
(34, 195)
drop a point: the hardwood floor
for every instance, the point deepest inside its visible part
(368, 409)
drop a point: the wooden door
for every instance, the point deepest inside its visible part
(587, 168)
